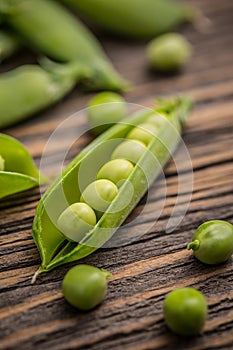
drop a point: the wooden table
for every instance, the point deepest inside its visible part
(36, 316)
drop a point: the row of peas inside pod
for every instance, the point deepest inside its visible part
(97, 195)
(72, 186)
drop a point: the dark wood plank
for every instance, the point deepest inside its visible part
(36, 316)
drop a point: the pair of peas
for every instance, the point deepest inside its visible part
(185, 309)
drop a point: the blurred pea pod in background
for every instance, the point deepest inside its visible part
(52, 30)
(9, 44)
(138, 19)
(30, 88)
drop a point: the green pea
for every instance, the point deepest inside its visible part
(169, 52)
(115, 170)
(84, 286)
(156, 119)
(76, 220)
(213, 242)
(143, 132)
(185, 311)
(131, 150)
(2, 163)
(105, 109)
(99, 194)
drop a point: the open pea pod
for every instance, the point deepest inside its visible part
(54, 249)
(18, 171)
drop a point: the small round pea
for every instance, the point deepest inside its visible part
(2, 163)
(99, 194)
(213, 242)
(157, 120)
(169, 52)
(131, 150)
(84, 286)
(115, 170)
(104, 109)
(143, 132)
(185, 311)
(76, 220)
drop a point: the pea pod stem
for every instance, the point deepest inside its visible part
(36, 274)
(194, 245)
(53, 31)
(53, 247)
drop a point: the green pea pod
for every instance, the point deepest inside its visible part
(139, 19)
(19, 172)
(53, 31)
(55, 250)
(9, 44)
(30, 88)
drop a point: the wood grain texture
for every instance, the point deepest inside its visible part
(144, 271)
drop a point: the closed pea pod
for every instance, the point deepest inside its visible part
(17, 169)
(55, 32)
(213, 242)
(53, 247)
(141, 19)
(28, 89)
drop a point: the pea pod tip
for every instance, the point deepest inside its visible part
(36, 274)
(194, 245)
